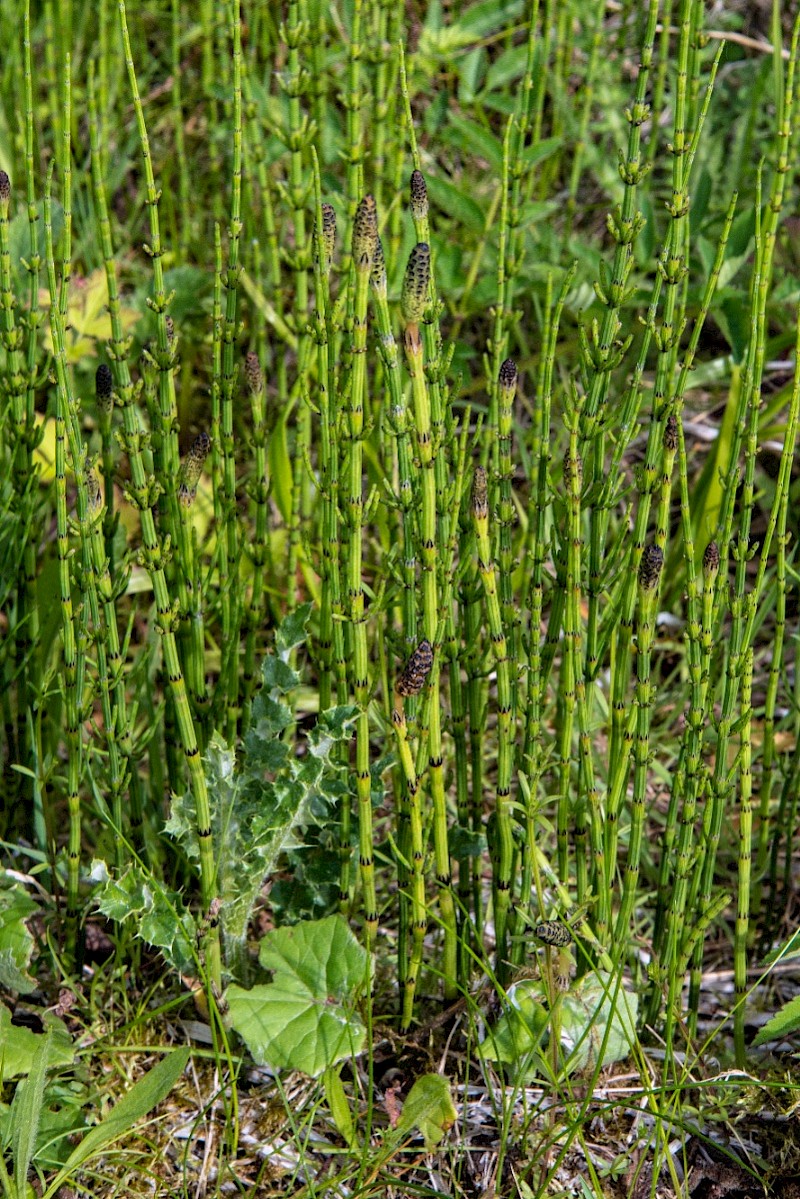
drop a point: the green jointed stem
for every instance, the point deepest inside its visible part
(73, 649)
(411, 682)
(143, 494)
(745, 853)
(352, 100)
(506, 390)
(324, 239)
(603, 351)
(365, 240)
(744, 606)
(504, 848)
(650, 567)
(13, 389)
(540, 453)
(224, 581)
(416, 284)
(782, 538)
(399, 424)
(691, 781)
(103, 390)
(684, 793)
(299, 134)
(230, 658)
(419, 917)
(103, 562)
(258, 550)
(571, 664)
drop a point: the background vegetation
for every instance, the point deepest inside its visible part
(397, 520)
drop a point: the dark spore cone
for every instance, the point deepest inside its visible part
(419, 196)
(414, 296)
(365, 233)
(508, 375)
(254, 376)
(650, 567)
(416, 670)
(480, 493)
(553, 932)
(328, 230)
(103, 386)
(671, 434)
(711, 559)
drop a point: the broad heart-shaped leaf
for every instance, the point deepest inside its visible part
(518, 1033)
(597, 1009)
(596, 1014)
(784, 1022)
(305, 1018)
(429, 1107)
(19, 1047)
(16, 942)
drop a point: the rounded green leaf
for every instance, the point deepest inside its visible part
(305, 1018)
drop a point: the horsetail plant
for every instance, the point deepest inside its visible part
(192, 617)
(650, 567)
(503, 835)
(15, 387)
(142, 493)
(364, 245)
(745, 857)
(411, 848)
(229, 671)
(258, 551)
(416, 283)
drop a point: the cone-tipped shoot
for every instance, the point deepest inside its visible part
(94, 495)
(650, 567)
(254, 376)
(365, 234)
(5, 190)
(328, 234)
(377, 277)
(711, 560)
(508, 375)
(671, 434)
(553, 932)
(415, 284)
(480, 494)
(192, 467)
(103, 387)
(419, 196)
(416, 670)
